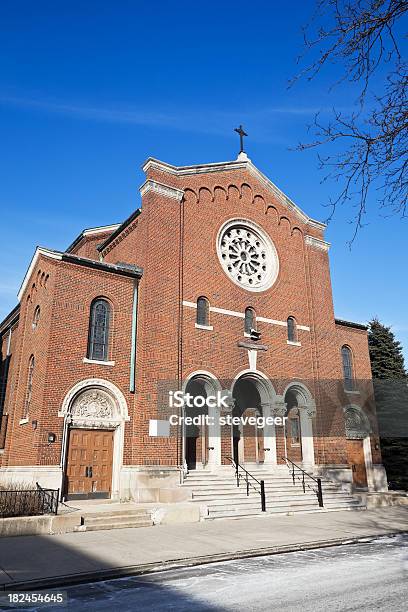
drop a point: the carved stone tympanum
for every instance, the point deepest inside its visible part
(357, 425)
(94, 404)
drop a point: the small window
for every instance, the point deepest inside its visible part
(36, 317)
(29, 391)
(292, 331)
(98, 340)
(250, 320)
(347, 368)
(203, 311)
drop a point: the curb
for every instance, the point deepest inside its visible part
(186, 562)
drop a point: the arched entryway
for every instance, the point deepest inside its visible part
(298, 430)
(253, 397)
(201, 442)
(94, 413)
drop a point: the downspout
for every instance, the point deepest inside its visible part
(180, 428)
(132, 381)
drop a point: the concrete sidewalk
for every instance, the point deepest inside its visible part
(44, 561)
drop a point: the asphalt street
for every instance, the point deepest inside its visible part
(371, 575)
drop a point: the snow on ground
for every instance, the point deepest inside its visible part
(371, 575)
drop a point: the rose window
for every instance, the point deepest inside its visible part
(247, 255)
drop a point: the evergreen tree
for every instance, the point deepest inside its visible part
(387, 360)
(391, 397)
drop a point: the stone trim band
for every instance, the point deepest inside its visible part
(241, 315)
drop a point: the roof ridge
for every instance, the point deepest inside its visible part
(237, 164)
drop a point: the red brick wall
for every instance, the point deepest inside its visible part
(169, 346)
(152, 242)
(357, 341)
(8, 349)
(22, 443)
(303, 290)
(59, 345)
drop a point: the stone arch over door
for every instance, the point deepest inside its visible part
(356, 422)
(204, 448)
(253, 395)
(300, 410)
(96, 404)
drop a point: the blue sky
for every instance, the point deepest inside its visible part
(89, 90)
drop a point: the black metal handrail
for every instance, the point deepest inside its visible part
(28, 502)
(246, 477)
(318, 490)
(51, 499)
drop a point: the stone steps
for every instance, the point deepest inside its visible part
(267, 478)
(332, 497)
(283, 503)
(118, 519)
(270, 486)
(220, 497)
(258, 476)
(287, 511)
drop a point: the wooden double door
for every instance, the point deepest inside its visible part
(356, 459)
(89, 464)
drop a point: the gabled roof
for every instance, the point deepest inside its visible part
(10, 319)
(119, 268)
(91, 231)
(350, 324)
(38, 251)
(242, 162)
(119, 229)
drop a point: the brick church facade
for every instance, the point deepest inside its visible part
(219, 282)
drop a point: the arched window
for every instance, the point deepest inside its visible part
(36, 316)
(292, 331)
(98, 339)
(250, 320)
(347, 360)
(203, 311)
(29, 391)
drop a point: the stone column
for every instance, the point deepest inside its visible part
(368, 460)
(183, 439)
(214, 437)
(225, 432)
(307, 413)
(269, 437)
(277, 409)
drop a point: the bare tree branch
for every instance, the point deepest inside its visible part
(371, 144)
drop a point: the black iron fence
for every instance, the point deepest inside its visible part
(28, 502)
